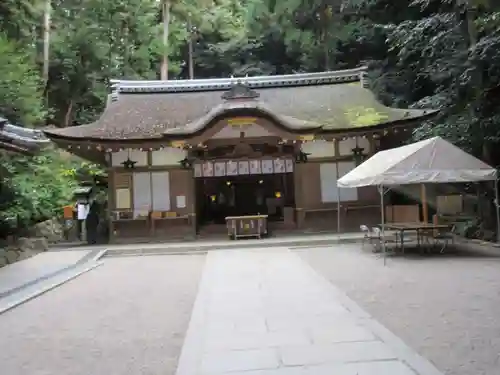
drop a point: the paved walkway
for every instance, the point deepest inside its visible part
(266, 312)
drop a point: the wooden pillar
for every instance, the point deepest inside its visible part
(299, 200)
(111, 203)
(423, 197)
(193, 219)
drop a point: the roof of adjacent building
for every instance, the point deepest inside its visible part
(324, 102)
(19, 139)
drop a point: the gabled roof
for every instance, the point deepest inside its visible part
(433, 160)
(324, 102)
(19, 139)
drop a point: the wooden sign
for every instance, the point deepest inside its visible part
(241, 121)
(307, 137)
(178, 144)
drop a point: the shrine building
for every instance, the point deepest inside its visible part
(21, 140)
(183, 155)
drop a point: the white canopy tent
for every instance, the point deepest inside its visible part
(433, 160)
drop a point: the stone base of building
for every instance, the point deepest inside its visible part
(315, 221)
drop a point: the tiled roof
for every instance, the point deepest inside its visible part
(20, 139)
(155, 109)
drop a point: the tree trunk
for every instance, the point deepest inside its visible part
(69, 113)
(46, 40)
(166, 23)
(477, 79)
(190, 48)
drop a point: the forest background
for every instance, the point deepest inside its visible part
(57, 57)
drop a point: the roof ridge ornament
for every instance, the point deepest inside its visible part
(240, 90)
(255, 82)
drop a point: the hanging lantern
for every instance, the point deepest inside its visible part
(357, 153)
(301, 157)
(129, 163)
(186, 163)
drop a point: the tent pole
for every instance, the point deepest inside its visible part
(382, 224)
(338, 200)
(338, 211)
(497, 209)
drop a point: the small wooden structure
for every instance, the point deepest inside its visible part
(246, 226)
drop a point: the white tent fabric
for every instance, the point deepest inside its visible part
(433, 160)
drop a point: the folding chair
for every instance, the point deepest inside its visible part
(386, 239)
(366, 234)
(369, 236)
(445, 238)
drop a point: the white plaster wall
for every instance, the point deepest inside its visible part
(346, 146)
(319, 149)
(140, 157)
(168, 156)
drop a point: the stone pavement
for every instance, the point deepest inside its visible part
(266, 312)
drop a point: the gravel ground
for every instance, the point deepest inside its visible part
(446, 308)
(127, 317)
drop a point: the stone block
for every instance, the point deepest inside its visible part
(11, 256)
(335, 353)
(364, 368)
(40, 244)
(253, 340)
(25, 254)
(52, 230)
(277, 371)
(346, 332)
(218, 362)
(24, 243)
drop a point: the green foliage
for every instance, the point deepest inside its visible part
(93, 43)
(19, 18)
(34, 188)
(20, 85)
(443, 54)
(360, 116)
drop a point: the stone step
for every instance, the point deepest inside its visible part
(45, 284)
(228, 245)
(38, 269)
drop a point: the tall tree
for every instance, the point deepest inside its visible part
(165, 17)
(46, 39)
